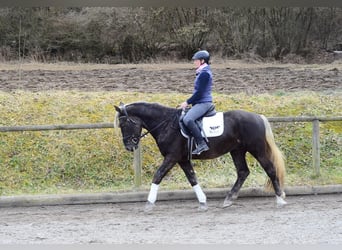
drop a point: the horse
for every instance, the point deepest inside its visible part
(243, 132)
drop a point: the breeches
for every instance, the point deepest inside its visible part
(196, 112)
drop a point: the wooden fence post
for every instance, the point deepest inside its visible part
(137, 167)
(315, 146)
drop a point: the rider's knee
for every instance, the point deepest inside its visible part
(186, 121)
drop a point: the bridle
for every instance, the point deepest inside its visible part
(135, 139)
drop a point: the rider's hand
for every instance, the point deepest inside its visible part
(184, 105)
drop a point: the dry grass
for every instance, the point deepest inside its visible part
(95, 160)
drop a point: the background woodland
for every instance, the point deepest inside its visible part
(132, 35)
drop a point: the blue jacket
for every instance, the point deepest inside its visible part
(202, 87)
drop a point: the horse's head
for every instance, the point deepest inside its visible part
(130, 126)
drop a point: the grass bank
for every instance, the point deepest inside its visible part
(96, 161)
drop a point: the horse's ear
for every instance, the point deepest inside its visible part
(117, 109)
(120, 108)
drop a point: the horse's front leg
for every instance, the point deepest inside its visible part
(157, 178)
(191, 176)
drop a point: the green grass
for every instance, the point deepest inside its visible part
(96, 161)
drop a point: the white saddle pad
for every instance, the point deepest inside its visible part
(213, 126)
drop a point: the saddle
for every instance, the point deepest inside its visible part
(210, 125)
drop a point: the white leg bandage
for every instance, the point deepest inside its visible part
(199, 193)
(152, 197)
(280, 201)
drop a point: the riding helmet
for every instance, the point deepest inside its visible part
(202, 54)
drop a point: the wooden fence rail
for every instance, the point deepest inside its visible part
(55, 127)
(137, 154)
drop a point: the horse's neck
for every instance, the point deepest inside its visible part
(150, 116)
(150, 120)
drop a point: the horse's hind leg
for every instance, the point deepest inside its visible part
(239, 158)
(191, 176)
(269, 168)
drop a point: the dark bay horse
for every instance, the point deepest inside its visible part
(243, 132)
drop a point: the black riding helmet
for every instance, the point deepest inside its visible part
(202, 54)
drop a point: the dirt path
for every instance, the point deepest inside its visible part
(228, 77)
(306, 219)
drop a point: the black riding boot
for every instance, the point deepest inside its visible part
(201, 144)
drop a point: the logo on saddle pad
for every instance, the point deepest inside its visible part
(212, 126)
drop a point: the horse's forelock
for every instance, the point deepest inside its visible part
(116, 120)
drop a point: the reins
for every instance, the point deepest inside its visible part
(134, 139)
(149, 131)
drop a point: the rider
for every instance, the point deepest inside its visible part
(201, 99)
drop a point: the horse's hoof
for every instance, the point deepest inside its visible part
(280, 202)
(203, 207)
(227, 203)
(149, 207)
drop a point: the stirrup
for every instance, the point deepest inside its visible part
(200, 148)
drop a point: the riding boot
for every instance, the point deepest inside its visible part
(201, 144)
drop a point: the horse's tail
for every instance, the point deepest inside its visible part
(275, 155)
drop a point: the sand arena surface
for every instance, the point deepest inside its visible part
(306, 219)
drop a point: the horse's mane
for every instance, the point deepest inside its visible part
(153, 108)
(149, 104)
